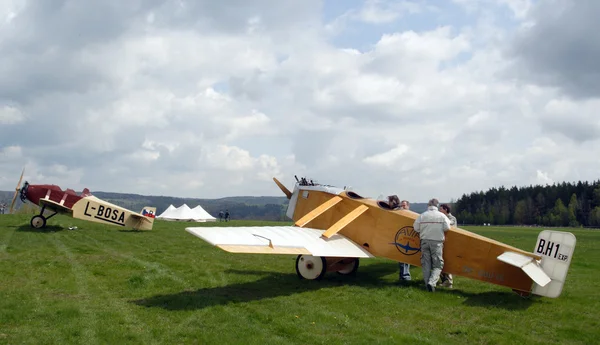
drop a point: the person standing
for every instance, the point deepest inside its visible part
(432, 226)
(446, 278)
(404, 268)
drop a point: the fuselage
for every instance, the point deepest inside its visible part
(35, 192)
(390, 234)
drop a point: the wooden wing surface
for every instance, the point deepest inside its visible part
(279, 240)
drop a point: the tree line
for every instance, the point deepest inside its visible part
(559, 204)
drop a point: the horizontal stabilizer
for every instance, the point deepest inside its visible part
(528, 264)
(279, 240)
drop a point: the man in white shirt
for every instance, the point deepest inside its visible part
(432, 226)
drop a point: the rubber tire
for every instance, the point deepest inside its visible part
(352, 270)
(35, 221)
(300, 260)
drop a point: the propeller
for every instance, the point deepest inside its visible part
(12, 204)
(285, 191)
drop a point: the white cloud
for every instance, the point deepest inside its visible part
(378, 11)
(543, 178)
(209, 100)
(10, 115)
(388, 158)
(12, 152)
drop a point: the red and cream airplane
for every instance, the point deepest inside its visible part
(333, 228)
(82, 206)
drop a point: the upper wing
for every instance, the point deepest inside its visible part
(55, 206)
(279, 240)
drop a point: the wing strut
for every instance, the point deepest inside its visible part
(318, 211)
(347, 219)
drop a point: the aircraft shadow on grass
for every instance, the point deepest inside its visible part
(49, 228)
(285, 284)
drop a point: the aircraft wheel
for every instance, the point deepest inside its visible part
(38, 222)
(311, 267)
(350, 268)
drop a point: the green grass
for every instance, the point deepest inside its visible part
(98, 284)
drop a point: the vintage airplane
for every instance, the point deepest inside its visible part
(83, 206)
(335, 227)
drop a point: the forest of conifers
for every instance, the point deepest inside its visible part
(560, 204)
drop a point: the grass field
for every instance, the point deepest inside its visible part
(100, 285)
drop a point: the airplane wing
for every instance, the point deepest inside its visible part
(279, 240)
(54, 206)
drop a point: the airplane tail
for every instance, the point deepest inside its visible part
(556, 249)
(549, 274)
(149, 214)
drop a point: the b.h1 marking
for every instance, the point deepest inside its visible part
(550, 249)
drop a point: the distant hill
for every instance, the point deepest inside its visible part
(240, 207)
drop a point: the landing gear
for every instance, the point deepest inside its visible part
(314, 267)
(311, 267)
(39, 221)
(350, 266)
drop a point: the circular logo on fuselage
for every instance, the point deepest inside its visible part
(407, 241)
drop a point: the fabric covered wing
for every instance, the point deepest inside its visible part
(55, 206)
(279, 240)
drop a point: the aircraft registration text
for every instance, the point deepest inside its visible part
(551, 249)
(106, 214)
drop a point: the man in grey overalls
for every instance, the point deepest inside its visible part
(432, 226)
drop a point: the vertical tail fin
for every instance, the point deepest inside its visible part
(556, 249)
(150, 214)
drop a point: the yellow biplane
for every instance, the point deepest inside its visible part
(334, 227)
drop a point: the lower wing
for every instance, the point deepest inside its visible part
(279, 240)
(55, 206)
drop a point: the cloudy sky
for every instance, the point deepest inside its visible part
(198, 99)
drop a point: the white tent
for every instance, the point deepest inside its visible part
(202, 215)
(167, 211)
(186, 214)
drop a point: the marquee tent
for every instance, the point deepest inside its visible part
(205, 216)
(169, 209)
(186, 214)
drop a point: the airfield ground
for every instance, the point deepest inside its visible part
(98, 284)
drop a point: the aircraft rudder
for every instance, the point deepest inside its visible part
(150, 213)
(556, 249)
